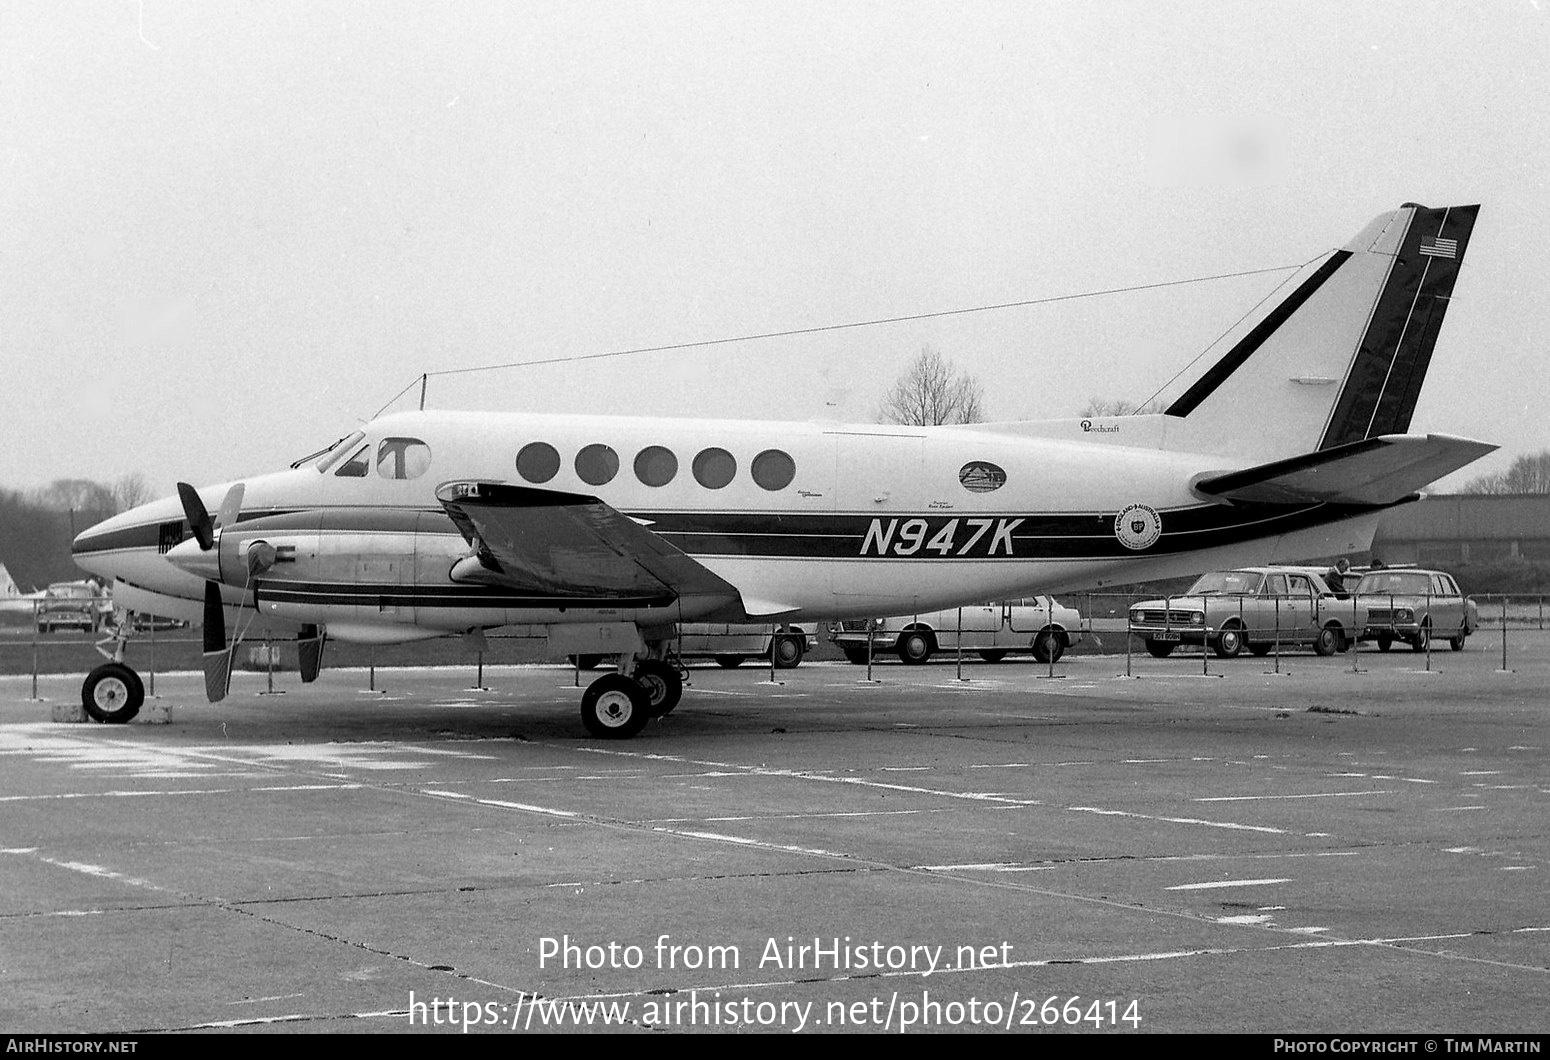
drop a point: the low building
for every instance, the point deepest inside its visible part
(1456, 530)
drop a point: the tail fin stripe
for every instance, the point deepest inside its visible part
(1246, 346)
(1385, 378)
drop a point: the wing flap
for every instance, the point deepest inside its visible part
(1374, 471)
(571, 545)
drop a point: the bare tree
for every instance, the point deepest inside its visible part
(75, 494)
(1120, 407)
(130, 491)
(1528, 474)
(933, 392)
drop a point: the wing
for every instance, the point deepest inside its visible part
(1381, 470)
(571, 546)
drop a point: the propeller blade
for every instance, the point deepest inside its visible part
(215, 619)
(230, 507)
(217, 659)
(198, 516)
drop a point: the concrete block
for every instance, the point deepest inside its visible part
(154, 714)
(68, 712)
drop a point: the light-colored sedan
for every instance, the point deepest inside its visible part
(1414, 605)
(1038, 624)
(1257, 608)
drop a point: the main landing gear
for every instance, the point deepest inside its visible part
(618, 705)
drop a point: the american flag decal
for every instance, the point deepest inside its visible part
(1438, 247)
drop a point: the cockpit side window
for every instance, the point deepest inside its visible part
(403, 458)
(331, 455)
(358, 464)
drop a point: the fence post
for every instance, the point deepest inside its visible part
(1356, 634)
(960, 644)
(1278, 633)
(1429, 631)
(1129, 637)
(1504, 631)
(34, 651)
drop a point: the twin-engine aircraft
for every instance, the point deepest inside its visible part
(604, 533)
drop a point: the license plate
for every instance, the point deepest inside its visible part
(1169, 635)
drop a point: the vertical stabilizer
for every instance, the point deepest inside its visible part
(1342, 356)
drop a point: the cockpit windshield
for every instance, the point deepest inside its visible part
(1226, 583)
(328, 457)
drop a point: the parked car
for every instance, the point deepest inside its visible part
(68, 605)
(1252, 607)
(732, 643)
(993, 631)
(1414, 605)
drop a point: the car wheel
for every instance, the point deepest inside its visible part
(112, 693)
(1328, 641)
(615, 707)
(788, 650)
(1159, 649)
(1228, 643)
(1385, 641)
(1048, 646)
(914, 647)
(1423, 638)
(731, 662)
(1457, 643)
(992, 656)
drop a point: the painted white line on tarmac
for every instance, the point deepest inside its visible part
(1231, 825)
(1216, 884)
(1264, 798)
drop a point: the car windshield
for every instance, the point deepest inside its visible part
(1408, 583)
(1226, 582)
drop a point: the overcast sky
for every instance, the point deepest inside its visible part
(231, 232)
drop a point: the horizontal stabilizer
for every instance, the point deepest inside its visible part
(568, 545)
(1382, 470)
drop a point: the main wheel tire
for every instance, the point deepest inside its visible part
(914, 647)
(1423, 637)
(1328, 641)
(112, 693)
(1160, 649)
(1228, 643)
(855, 654)
(585, 662)
(614, 707)
(664, 687)
(730, 662)
(1385, 641)
(788, 649)
(1048, 646)
(992, 656)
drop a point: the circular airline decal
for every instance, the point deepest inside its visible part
(1138, 527)
(981, 476)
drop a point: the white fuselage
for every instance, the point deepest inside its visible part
(875, 520)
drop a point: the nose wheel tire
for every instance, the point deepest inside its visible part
(615, 707)
(112, 693)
